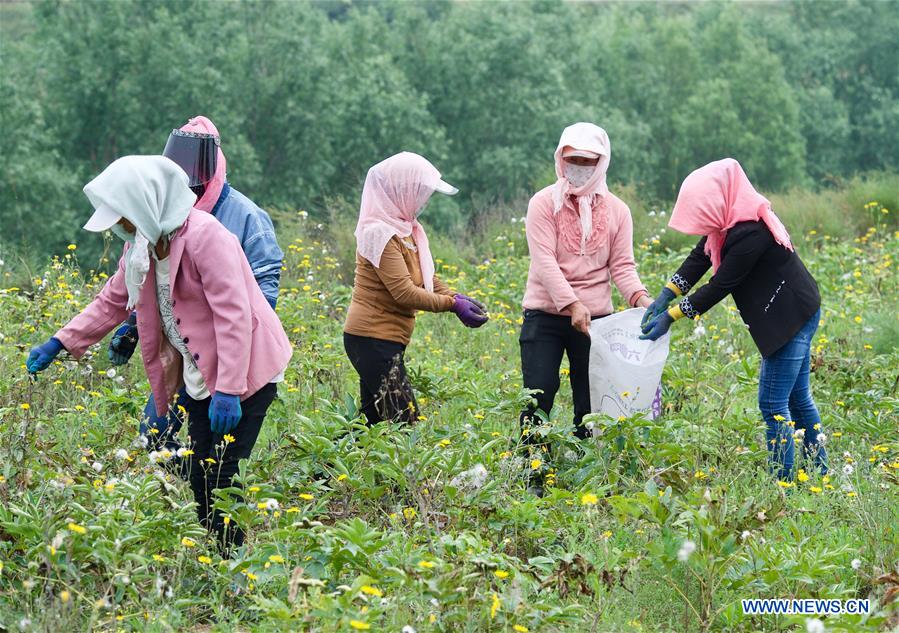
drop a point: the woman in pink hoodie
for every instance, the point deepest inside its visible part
(203, 321)
(580, 240)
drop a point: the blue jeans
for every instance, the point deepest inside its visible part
(786, 403)
(161, 430)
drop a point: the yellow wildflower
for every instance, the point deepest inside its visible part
(589, 499)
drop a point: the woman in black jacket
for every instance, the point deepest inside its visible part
(752, 258)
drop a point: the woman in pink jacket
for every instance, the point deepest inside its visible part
(580, 240)
(203, 321)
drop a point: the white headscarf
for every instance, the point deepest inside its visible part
(151, 192)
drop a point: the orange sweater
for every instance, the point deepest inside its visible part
(386, 298)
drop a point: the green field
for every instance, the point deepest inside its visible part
(352, 528)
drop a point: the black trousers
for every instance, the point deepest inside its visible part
(215, 462)
(385, 391)
(544, 338)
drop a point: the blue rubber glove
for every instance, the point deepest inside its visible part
(657, 327)
(224, 412)
(658, 306)
(41, 356)
(124, 341)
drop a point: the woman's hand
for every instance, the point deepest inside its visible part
(655, 308)
(580, 317)
(41, 356)
(469, 312)
(224, 412)
(657, 328)
(644, 302)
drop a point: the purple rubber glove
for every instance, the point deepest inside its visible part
(480, 305)
(468, 312)
(224, 412)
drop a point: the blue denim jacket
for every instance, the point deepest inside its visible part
(254, 228)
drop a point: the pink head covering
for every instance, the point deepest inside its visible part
(717, 196)
(584, 137)
(395, 192)
(202, 125)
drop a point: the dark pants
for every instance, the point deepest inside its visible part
(384, 387)
(785, 400)
(208, 476)
(544, 338)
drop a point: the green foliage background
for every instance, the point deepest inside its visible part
(309, 95)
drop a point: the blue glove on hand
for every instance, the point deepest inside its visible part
(657, 327)
(41, 356)
(224, 412)
(124, 341)
(658, 306)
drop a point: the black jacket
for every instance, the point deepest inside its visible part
(774, 292)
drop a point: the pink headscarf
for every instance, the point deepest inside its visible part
(395, 192)
(202, 125)
(591, 138)
(717, 196)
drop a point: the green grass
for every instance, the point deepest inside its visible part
(375, 507)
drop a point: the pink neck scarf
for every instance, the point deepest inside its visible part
(717, 196)
(591, 138)
(395, 192)
(202, 125)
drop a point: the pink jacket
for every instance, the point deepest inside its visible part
(559, 275)
(229, 327)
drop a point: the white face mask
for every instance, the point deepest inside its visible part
(119, 230)
(578, 175)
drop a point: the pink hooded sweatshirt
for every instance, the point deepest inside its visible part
(226, 323)
(569, 263)
(202, 125)
(717, 196)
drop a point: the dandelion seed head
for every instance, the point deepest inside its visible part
(814, 625)
(686, 549)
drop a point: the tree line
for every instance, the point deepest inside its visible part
(307, 95)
